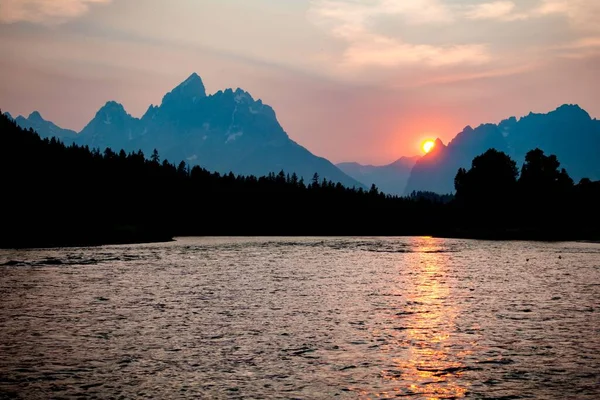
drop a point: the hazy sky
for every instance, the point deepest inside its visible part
(352, 80)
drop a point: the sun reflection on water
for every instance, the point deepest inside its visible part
(426, 361)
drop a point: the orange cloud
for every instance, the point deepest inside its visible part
(44, 11)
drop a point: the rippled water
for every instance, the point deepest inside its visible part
(302, 318)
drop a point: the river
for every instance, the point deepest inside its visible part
(308, 318)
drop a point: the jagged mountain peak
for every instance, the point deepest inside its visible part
(151, 112)
(564, 111)
(439, 147)
(241, 96)
(46, 129)
(507, 122)
(35, 116)
(242, 101)
(226, 131)
(110, 117)
(571, 111)
(234, 94)
(112, 107)
(187, 91)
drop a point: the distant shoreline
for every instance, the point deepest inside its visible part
(85, 244)
(483, 237)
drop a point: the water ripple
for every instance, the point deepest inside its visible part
(420, 318)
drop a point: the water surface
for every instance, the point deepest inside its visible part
(303, 318)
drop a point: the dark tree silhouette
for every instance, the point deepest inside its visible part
(155, 158)
(545, 190)
(542, 204)
(492, 178)
(431, 196)
(315, 180)
(374, 191)
(542, 175)
(487, 192)
(54, 195)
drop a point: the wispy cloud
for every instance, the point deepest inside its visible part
(358, 12)
(499, 10)
(377, 50)
(583, 15)
(583, 48)
(351, 21)
(44, 11)
(470, 76)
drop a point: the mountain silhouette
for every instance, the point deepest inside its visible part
(111, 127)
(390, 178)
(568, 132)
(231, 131)
(228, 131)
(45, 129)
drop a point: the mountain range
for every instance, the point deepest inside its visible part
(45, 129)
(228, 131)
(231, 131)
(568, 132)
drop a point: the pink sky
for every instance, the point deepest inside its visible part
(354, 80)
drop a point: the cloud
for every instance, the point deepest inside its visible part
(583, 43)
(499, 10)
(587, 47)
(583, 15)
(351, 21)
(44, 11)
(356, 12)
(377, 50)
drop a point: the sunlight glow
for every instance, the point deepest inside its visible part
(428, 145)
(423, 335)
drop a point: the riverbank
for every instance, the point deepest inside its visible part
(118, 235)
(124, 235)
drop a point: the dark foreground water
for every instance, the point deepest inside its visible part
(302, 318)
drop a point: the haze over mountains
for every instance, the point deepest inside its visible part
(223, 132)
(391, 178)
(231, 131)
(568, 132)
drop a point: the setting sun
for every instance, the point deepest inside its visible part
(428, 145)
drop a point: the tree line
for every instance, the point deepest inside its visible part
(495, 199)
(57, 195)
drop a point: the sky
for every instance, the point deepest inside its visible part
(351, 80)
